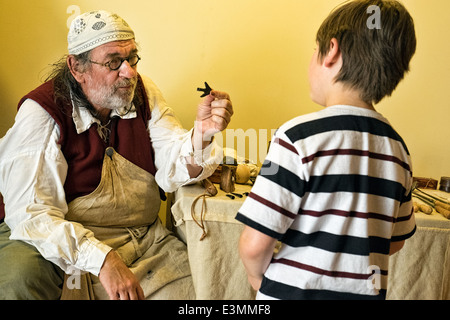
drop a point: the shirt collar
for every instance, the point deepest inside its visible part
(83, 119)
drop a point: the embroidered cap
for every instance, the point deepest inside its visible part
(92, 29)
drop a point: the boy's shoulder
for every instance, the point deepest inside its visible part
(327, 119)
(294, 122)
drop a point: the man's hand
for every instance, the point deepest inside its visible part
(213, 115)
(119, 282)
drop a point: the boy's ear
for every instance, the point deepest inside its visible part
(333, 54)
(74, 67)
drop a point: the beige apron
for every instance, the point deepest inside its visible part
(123, 213)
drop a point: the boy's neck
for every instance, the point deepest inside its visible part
(346, 96)
(350, 102)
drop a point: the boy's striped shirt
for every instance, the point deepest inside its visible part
(335, 189)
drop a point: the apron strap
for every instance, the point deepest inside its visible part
(162, 194)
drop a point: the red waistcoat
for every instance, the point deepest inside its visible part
(84, 152)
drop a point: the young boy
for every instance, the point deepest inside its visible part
(335, 188)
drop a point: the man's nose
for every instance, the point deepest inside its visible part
(127, 71)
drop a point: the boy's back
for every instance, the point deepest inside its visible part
(333, 184)
(335, 188)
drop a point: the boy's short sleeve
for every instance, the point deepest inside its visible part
(275, 199)
(405, 223)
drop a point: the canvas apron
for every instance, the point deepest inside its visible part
(123, 213)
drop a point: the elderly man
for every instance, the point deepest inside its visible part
(81, 173)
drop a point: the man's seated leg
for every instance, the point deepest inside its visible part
(181, 289)
(24, 273)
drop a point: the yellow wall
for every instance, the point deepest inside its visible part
(257, 50)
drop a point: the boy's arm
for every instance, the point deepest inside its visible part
(396, 247)
(256, 251)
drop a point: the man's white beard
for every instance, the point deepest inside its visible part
(111, 97)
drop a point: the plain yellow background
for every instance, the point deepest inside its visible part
(256, 50)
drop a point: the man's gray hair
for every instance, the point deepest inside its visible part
(66, 87)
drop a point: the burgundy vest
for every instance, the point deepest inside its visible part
(84, 152)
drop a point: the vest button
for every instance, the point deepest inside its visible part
(109, 151)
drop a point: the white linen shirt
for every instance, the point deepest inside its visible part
(33, 171)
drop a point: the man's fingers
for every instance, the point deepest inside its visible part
(214, 112)
(224, 113)
(215, 96)
(223, 104)
(132, 293)
(141, 295)
(208, 100)
(220, 123)
(220, 95)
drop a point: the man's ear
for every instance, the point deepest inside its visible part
(75, 68)
(333, 55)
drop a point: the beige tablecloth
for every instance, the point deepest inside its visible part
(217, 270)
(421, 270)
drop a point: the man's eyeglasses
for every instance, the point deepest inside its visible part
(115, 63)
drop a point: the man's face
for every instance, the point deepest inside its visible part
(106, 88)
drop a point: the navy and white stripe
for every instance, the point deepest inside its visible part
(335, 189)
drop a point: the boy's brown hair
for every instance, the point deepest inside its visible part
(375, 59)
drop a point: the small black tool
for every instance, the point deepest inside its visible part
(206, 91)
(237, 194)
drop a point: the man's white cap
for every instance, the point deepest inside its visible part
(92, 29)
